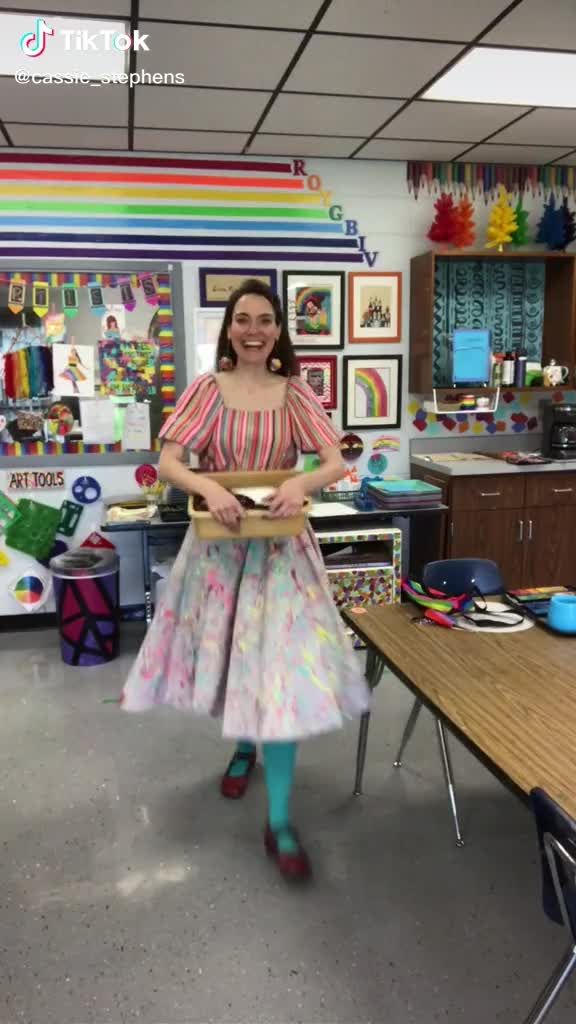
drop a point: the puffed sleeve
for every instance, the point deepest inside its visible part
(312, 429)
(192, 422)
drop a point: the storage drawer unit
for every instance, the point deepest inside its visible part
(488, 492)
(545, 489)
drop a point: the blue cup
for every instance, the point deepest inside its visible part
(562, 613)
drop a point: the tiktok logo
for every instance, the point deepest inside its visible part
(33, 43)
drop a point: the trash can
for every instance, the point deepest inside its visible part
(86, 591)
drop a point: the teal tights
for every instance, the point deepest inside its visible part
(279, 765)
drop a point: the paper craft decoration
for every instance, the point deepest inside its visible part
(351, 447)
(86, 490)
(34, 530)
(97, 419)
(136, 434)
(16, 296)
(314, 304)
(8, 512)
(96, 299)
(127, 294)
(60, 420)
(113, 322)
(31, 590)
(70, 514)
(146, 475)
(55, 327)
(377, 464)
(149, 288)
(382, 444)
(73, 370)
(127, 367)
(70, 301)
(40, 293)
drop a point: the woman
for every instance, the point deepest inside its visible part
(248, 629)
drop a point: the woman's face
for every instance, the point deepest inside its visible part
(253, 331)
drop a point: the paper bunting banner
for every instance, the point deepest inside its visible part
(70, 300)
(127, 295)
(96, 299)
(149, 289)
(31, 590)
(40, 295)
(16, 296)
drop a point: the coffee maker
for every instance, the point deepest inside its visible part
(559, 426)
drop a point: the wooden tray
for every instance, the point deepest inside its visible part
(254, 524)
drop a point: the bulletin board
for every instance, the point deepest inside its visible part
(79, 346)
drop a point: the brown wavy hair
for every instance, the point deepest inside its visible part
(283, 349)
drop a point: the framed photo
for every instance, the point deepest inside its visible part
(374, 307)
(202, 358)
(218, 283)
(372, 392)
(320, 373)
(314, 307)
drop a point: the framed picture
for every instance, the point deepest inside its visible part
(320, 373)
(372, 392)
(314, 307)
(374, 307)
(202, 358)
(218, 283)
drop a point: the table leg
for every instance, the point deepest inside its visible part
(553, 988)
(361, 752)
(408, 730)
(447, 765)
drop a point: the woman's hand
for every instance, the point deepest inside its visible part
(287, 500)
(223, 505)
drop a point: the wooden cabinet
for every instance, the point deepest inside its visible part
(526, 522)
(496, 534)
(434, 277)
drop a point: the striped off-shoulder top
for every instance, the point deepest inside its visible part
(230, 439)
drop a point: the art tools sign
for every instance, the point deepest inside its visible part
(37, 480)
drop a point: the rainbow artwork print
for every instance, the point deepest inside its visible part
(372, 391)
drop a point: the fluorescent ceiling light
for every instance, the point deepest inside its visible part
(530, 78)
(66, 45)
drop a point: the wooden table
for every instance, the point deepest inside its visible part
(511, 698)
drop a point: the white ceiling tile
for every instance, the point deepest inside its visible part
(88, 8)
(389, 149)
(189, 142)
(338, 115)
(547, 126)
(302, 145)
(426, 119)
(233, 58)
(569, 161)
(426, 19)
(66, 104)
(488, 153)
(68, 137)
(369, 67)
(535, 23)
(272, 13)
(166, 106)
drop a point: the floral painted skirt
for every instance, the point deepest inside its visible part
(248, 630)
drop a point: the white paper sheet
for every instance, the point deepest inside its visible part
(97, 421)
(136, 432)
(331, 508)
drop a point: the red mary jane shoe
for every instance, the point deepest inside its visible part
(294, 867)
(233, 787)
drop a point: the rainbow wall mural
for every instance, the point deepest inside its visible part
(132, 207)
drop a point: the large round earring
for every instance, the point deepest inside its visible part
(225, 362)
(275, 365)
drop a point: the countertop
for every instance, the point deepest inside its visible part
(487, 467)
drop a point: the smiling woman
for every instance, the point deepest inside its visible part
(247, 629)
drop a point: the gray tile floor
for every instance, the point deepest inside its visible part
(131, 892)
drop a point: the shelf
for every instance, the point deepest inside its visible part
(453, 409)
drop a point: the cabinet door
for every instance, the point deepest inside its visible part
(550, 546)
(497, 534)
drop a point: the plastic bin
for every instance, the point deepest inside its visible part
(87, 591)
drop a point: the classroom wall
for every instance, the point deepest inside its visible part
(392, 227)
